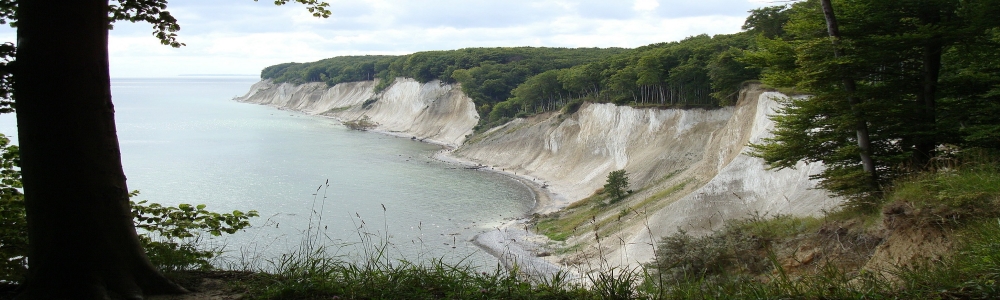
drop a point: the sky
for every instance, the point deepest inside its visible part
(243, 36)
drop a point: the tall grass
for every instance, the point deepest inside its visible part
(316, 271)
(738, 262)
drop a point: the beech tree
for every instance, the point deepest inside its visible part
(82, 242)
(898, 82)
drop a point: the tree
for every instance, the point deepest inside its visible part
(13, 243)
(617, 186)
(767, 21)
(860, 121)
(82, 242)
(889, 67)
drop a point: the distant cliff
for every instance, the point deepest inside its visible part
(433, 111)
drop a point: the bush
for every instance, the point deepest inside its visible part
(735, 250)
(362, 124)
(573, 106)
(368, 103)
(173, 234)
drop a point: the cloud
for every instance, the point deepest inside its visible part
(688, 8)
(241, 36)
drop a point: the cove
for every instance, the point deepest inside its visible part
(184, 140)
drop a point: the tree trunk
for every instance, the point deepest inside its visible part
(861, 127)
(83, 244)
(927, 101)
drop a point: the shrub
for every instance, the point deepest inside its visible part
(368, 103)
(172, 234)
(362, 124)
(573, 106)
(682, 257)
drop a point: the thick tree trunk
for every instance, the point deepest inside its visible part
(861, 127)
(83, 244)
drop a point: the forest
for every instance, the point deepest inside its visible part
(515, 82)
(893, 87)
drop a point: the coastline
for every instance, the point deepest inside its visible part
(512, 242)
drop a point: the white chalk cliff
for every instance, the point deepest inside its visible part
(687, 165)
(437, 112)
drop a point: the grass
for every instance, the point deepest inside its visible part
(561, 225)
(336, 110)
(971, 274)
(744, 260)
(952, 196)
(665, 193)
(727, 263)
(316, 277)
(588, 214)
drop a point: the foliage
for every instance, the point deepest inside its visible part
(737, 262)
(507, 83)
(972, 273)
(926, 79)
(13, 225)
(362, 124)
(320, 277)
(331, 71)
(172, 235)
(6, 76)
(954, 196)
(697, 71)
(617, 185)
(314, 272)
(768, 21)
(682, 257)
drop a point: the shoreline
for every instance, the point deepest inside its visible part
(512, 242)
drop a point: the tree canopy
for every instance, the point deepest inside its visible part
(926, 77)
(512, 82)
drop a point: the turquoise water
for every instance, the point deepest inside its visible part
(184, 140)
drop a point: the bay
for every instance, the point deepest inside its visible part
(184, 140)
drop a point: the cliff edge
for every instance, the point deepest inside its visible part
(687, 167)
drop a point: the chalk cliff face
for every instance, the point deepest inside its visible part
(574, 154)
(687, 166)
(434, 111)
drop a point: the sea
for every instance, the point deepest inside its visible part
(358, 195)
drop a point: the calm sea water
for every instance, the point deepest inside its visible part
(184, 140)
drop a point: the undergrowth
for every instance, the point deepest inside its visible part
(743, 260)
(746, 259)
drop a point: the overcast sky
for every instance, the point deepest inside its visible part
(243, 37)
